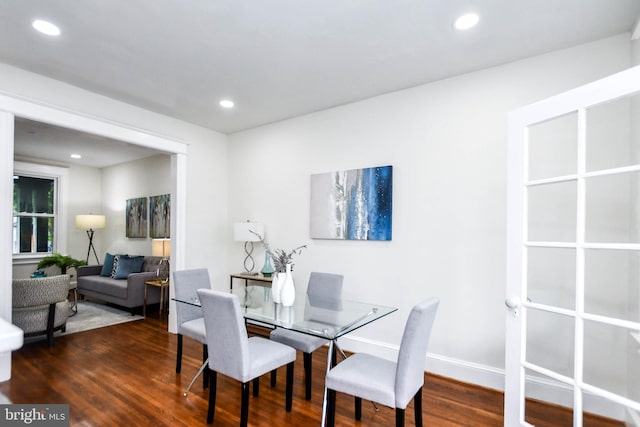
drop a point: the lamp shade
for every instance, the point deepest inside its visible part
(161, 247)
(242, 231)
(90, 221)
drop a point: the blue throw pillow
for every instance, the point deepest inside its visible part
(107, 266)
(128, 265)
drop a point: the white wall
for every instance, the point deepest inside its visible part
(140, 178)
(447, 143)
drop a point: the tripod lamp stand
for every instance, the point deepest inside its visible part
(90, 223)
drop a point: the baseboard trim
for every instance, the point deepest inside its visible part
(487, 376)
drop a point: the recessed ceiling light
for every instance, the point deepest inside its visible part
(75, 156)
(46, 27)
(227, 103)
(466, 21)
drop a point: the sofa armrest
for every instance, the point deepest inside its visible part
(138, 279)
(89, 270)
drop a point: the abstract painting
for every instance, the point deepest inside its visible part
(136, 217)
(160, 216)
(352, 205)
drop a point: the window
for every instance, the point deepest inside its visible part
(34, 214)
(39, 218)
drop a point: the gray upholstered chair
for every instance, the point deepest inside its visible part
(189, 318)
(40, 305)
(390, 383)
(234, 354)
(323, 285)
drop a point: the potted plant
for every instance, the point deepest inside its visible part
(63, 262)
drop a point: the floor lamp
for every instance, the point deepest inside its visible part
(90, 223)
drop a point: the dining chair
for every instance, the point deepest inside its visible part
(234, 354)
(321, 285)
(189, 318)
(391, 383)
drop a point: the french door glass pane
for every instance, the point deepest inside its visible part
(552, 212)
(610, 134)
(553, 147)
(550, 341)
(611, 283)
(536, 390)
(611, 211)
(551, 276)
(609, 353)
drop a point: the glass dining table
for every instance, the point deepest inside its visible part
(312, 315)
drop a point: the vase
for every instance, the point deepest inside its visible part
(276, 286)
(288, 291)
(268, 269)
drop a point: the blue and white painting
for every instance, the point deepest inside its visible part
(352, 205)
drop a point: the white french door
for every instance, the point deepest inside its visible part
(573, 253)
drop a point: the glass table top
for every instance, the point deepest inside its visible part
(322, 317)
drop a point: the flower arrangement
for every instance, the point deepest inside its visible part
(280, 257)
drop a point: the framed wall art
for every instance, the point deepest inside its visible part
(353, 204)
(136, 221)
(160, 216)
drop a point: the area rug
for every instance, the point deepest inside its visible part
(92, 315)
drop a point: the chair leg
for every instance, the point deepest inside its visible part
(205, 375)
(417, 404)
(274, 375)
(244, 409)
(358, 408)
(307, 375)
(289, 392)
(213, 376)
(331, 408)
(256, 386)
(179, 355)
(50, 321)
(399, 417)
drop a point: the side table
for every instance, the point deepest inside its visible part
(164, 287)
(73, 305)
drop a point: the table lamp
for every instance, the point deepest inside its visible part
(248, 232)
(162, 247)
(91, 222)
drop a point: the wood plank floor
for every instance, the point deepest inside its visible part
(125, 375)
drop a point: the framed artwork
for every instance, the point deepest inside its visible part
(352, 205)
(160, 216)
(136, 217)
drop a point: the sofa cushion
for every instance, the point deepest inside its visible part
(107, 266)
(104, 285)
(128, 265)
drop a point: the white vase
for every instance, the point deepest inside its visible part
(276, 287)
(288, 291)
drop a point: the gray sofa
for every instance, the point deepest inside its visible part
(127, 292)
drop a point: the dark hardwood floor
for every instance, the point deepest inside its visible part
(125, 375)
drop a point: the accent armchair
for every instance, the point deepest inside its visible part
(40, 305)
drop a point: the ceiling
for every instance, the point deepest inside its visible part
(278, 59)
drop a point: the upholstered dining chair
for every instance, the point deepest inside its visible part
(189, 318)
(234, 354)
(322, 285)
(379, 380)
(40, 305)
